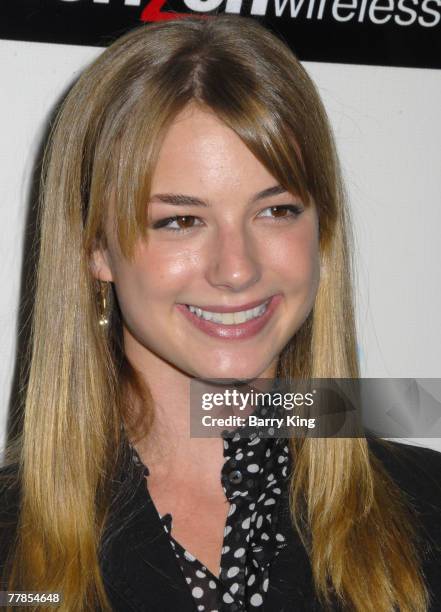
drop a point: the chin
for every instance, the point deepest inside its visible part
(230, 375)
(227, 380)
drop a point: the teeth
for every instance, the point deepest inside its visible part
(229, 318)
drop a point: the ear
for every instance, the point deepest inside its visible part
(100, 265)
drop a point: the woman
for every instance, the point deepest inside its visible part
(191, 171)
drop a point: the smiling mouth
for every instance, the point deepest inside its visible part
(230, 318)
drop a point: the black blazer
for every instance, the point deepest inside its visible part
(141, 573)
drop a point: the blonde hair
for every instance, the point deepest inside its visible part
(106, 136)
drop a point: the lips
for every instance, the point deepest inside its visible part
(229, 318)
(237, 330)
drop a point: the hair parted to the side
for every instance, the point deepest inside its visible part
(106, 138)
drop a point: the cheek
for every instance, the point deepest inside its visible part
(154, 275)
(297, 259)
(167, 270)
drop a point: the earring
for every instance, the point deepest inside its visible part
(103, 318)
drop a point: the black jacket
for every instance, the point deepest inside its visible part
(141, 573)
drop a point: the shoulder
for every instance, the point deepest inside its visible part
(9, 509)
(396, 454)
(415, 469)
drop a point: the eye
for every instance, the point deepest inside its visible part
(184, 223)
(181, 223)
(283, 212)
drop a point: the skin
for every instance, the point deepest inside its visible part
(233, 253)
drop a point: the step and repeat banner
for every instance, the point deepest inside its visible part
(378, 32)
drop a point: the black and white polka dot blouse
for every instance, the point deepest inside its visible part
(254, 474)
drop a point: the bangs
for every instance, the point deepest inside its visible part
(265, 134)
(248, 102)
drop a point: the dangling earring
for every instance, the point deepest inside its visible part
(103, 318)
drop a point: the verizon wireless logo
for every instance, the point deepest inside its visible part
(404, 33)
(425, 13)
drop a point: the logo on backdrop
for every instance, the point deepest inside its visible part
(380, 32)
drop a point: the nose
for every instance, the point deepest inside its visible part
(234, 261)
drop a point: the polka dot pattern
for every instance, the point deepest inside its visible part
(254, 475)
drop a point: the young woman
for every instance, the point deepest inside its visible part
(191, 170)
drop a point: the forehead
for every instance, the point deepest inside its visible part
(199, 152)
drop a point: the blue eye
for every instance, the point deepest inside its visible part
(184, 223)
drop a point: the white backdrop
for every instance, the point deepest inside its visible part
(388, 131)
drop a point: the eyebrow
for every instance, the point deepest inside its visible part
(179, 199)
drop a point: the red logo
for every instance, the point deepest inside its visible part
(152, 12)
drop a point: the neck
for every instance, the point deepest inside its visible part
(169, 450)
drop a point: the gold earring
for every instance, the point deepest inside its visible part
(103, 318)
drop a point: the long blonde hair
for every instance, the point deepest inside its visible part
(106, 136)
